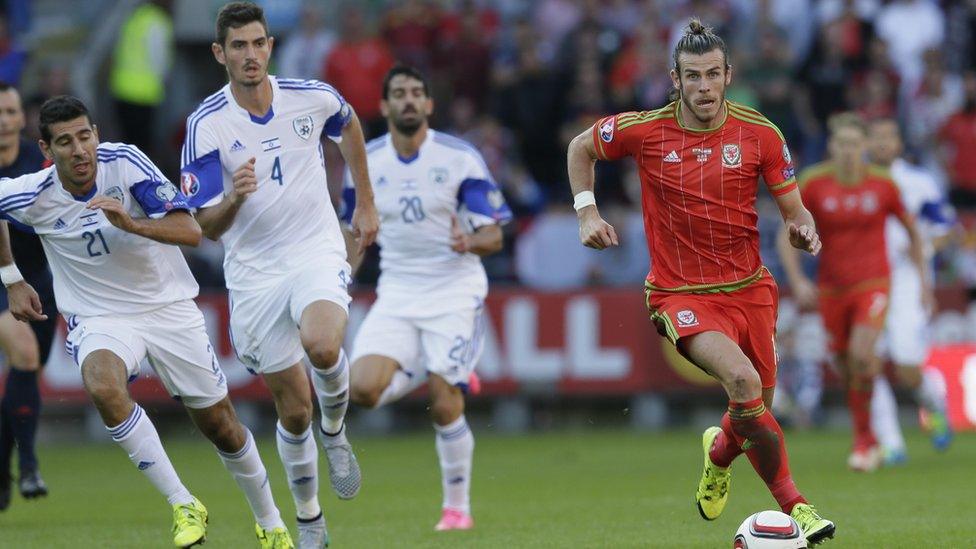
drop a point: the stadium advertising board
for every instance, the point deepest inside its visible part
(581, 343)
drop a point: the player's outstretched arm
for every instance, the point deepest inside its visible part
(801, 229)
(215, 220)
(24, 302)
(353, 255)
(800, 233)
(485, 240)
(917, 251)
(176, 227)
(581, 158)
(365, 219)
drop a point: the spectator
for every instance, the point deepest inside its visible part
(829, 10)
(639, 77)
(791, 19)
(873, 96)
(906, 47)
(486, 20)
(826, 76)
(554, 19)
(466, 57)
(410, 29)
(958, 140)
(305, 50)
(356, 66)
(12, 56)
(142, 59)
(55, 79)
(930, 103)
(770, 75)
(530, 104)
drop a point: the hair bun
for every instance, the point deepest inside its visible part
(695, 27)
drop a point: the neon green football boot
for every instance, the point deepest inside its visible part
(713, 488)
(189, 524)
(816, 528)
(277, 538)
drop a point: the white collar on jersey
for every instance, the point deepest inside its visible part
(275, 99)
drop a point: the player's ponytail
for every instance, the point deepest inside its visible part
(699, 39)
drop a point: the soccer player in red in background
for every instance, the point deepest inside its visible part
(851, 201)
(700, 160)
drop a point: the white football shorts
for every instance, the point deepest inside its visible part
(264, 323)
(906, 326)
(448, 345)
(173, 339)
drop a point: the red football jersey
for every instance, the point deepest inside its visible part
(699, 190)
(851, 221)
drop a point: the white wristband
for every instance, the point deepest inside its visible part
(583, 199)
(10, 274)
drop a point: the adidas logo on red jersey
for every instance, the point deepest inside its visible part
(672, 157)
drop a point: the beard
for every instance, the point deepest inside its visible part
(408, 127)
(693, 109)
(244, 80)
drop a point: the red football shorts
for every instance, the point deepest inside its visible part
(841, 311)
(747, 316)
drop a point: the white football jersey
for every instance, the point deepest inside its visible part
(98, 268)
(417, 199)
(924, 201)
(290, 217)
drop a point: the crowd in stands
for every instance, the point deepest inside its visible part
(520, 78)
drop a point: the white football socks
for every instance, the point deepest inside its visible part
(332, 390)
(884, 415)
(300, 456)
(929, 394)
(246, 468)
(138, 437)
(455, 448)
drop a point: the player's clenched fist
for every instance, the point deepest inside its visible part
(594, 231)
(805, 237)
(245, 182)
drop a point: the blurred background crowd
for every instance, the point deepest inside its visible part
(520, 78)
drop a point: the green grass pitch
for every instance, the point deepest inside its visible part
(571, 489)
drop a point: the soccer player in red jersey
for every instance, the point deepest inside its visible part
(700, 160)
(851, 201)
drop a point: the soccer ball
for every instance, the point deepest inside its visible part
(769, 530)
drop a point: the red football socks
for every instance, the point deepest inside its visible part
(859, 402)
(725, 448)
(757, 432)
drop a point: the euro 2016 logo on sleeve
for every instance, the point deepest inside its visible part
(686, 318)
(606, 130)
(731, 156)
(303, 126)
(786, 154)
(116, 193)
(189, 184)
